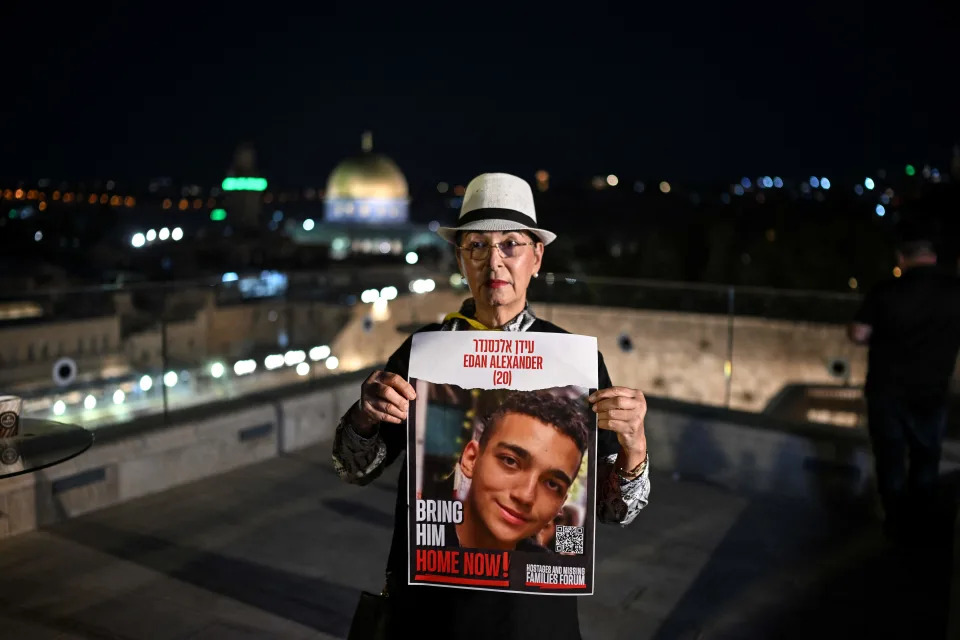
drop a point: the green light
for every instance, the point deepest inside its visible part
(910, 170)
(218, 214)
(244, 184)
(12, 214)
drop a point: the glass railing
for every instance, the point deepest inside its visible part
(105, 355)
(779, 352)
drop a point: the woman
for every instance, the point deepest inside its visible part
(499, 248)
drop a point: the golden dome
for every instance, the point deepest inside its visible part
(367, 176)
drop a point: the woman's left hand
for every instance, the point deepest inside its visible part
(621, 410)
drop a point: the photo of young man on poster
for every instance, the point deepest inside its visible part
(521, 469)
(521, 474)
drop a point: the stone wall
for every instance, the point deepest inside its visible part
(684, 355)
(674, 355)
(27, 352)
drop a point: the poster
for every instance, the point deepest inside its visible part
(501, 469)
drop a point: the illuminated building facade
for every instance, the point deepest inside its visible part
(367, 188)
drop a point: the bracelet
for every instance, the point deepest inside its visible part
(636, 472)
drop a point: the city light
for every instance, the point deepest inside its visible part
(303, 369)
(244, 184)
(308, 224)
(443, 187)
(243, 367)
(176, 234)
(273, 361)
(388, 293)
(170, 379)
(613, 180)
(664, 187)
(218, 215)
(412, 257)
(745, 182)
(767, 182)
(896, 272)
(59, 407)
(880, 210)
(151, 235)
(164, 233)
(852, 283)
(422, 286)
(332, 362)
(868, 183)
(320, 353)
(456, 280)
(229, 276)
(814, 182)
(291, 358)
(910, 170)
(824, 183)
(38, 236)
(217, 369)
(138, 240)
(370, 295)
(119, 396)
(146, 383)
(89, 402)
(858, 189)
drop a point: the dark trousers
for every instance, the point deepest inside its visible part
(903, 428)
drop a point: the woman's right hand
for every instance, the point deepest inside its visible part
(384, 397)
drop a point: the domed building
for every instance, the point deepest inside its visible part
(366, 214)
(367, 188)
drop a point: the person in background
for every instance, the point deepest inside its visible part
(911, 324)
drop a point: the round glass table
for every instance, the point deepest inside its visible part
(41, 444)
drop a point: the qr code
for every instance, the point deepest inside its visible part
(569, 540)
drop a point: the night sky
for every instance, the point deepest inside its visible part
(167, 89)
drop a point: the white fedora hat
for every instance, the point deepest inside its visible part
(497, 202)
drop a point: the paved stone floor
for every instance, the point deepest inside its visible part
(281, 549)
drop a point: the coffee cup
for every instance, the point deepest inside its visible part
(10, 409)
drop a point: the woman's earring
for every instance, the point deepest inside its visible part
(536, 275)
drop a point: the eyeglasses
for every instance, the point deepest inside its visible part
(480, 250)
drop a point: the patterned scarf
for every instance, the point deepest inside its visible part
(466, 319)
